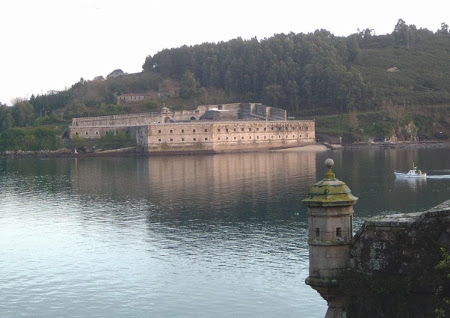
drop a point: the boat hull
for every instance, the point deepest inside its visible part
(410, 175)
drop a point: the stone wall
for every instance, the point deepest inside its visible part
(277, 113)
(117, 120)
(236, 110)
(228, 136)
(402, 244)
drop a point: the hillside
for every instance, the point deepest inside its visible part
(393, 75)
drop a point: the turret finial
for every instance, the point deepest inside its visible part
(330, 164)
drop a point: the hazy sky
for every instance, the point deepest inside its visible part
(51, 44)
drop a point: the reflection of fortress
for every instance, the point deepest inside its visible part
(203, 180)
(212, 128)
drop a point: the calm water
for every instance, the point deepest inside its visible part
(183, 236)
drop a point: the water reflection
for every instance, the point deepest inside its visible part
(414, 184)
(233, 186)
(201, 235)
(161, 236)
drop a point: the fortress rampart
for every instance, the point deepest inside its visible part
(239, 128)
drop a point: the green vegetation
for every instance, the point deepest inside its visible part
(109, 141)
(391, 122)
(360, 87)
(29, 139)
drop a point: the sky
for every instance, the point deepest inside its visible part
(51, 44)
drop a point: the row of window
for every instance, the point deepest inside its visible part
(97, 133)
(234, 138)
(234, 129)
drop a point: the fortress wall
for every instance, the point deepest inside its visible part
(180, 137)
(117, 120)
(402, 244)
(260, 110)
(277, 114)
(187, 114)
(236, 110)
(228, 136)
(211, 136)
(98, 132)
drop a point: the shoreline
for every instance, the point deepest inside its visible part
(135, 151)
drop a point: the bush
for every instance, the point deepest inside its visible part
(29, 139)
(115, 141)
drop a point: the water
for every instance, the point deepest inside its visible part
(183, 236)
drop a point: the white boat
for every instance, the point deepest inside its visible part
(413, 173)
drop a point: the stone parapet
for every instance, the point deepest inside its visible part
(402, 244)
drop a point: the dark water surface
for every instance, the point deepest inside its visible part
(184, 236)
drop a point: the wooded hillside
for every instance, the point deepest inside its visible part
(309, 75)
(307, 71)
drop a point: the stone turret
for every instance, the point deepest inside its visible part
(330, 225)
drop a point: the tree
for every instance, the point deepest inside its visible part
(6, 119)
(189, 85)
(444, 29)
(23, 114)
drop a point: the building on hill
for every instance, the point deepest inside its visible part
(207, 129)
(134, 97)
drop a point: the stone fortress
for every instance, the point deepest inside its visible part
(207, 129)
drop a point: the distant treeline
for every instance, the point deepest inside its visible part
(304, 71)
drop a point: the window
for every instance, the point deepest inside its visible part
(265, 128)
(234, 129)
(218, 130)
(206, 130)
(96, 132)
(338, 232)
(159, 131)
(317, 232)
(171, 131)
(226, 130)
(242, 129)
(257, 129)
(76, 133)
(249, 129)
(171, 139)
(159, 140)
(257, 137)
(206, 139)
(182, 139)
(86, 132)
(194, 139)
(193, 130)
(227, 138)
(182, 130)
